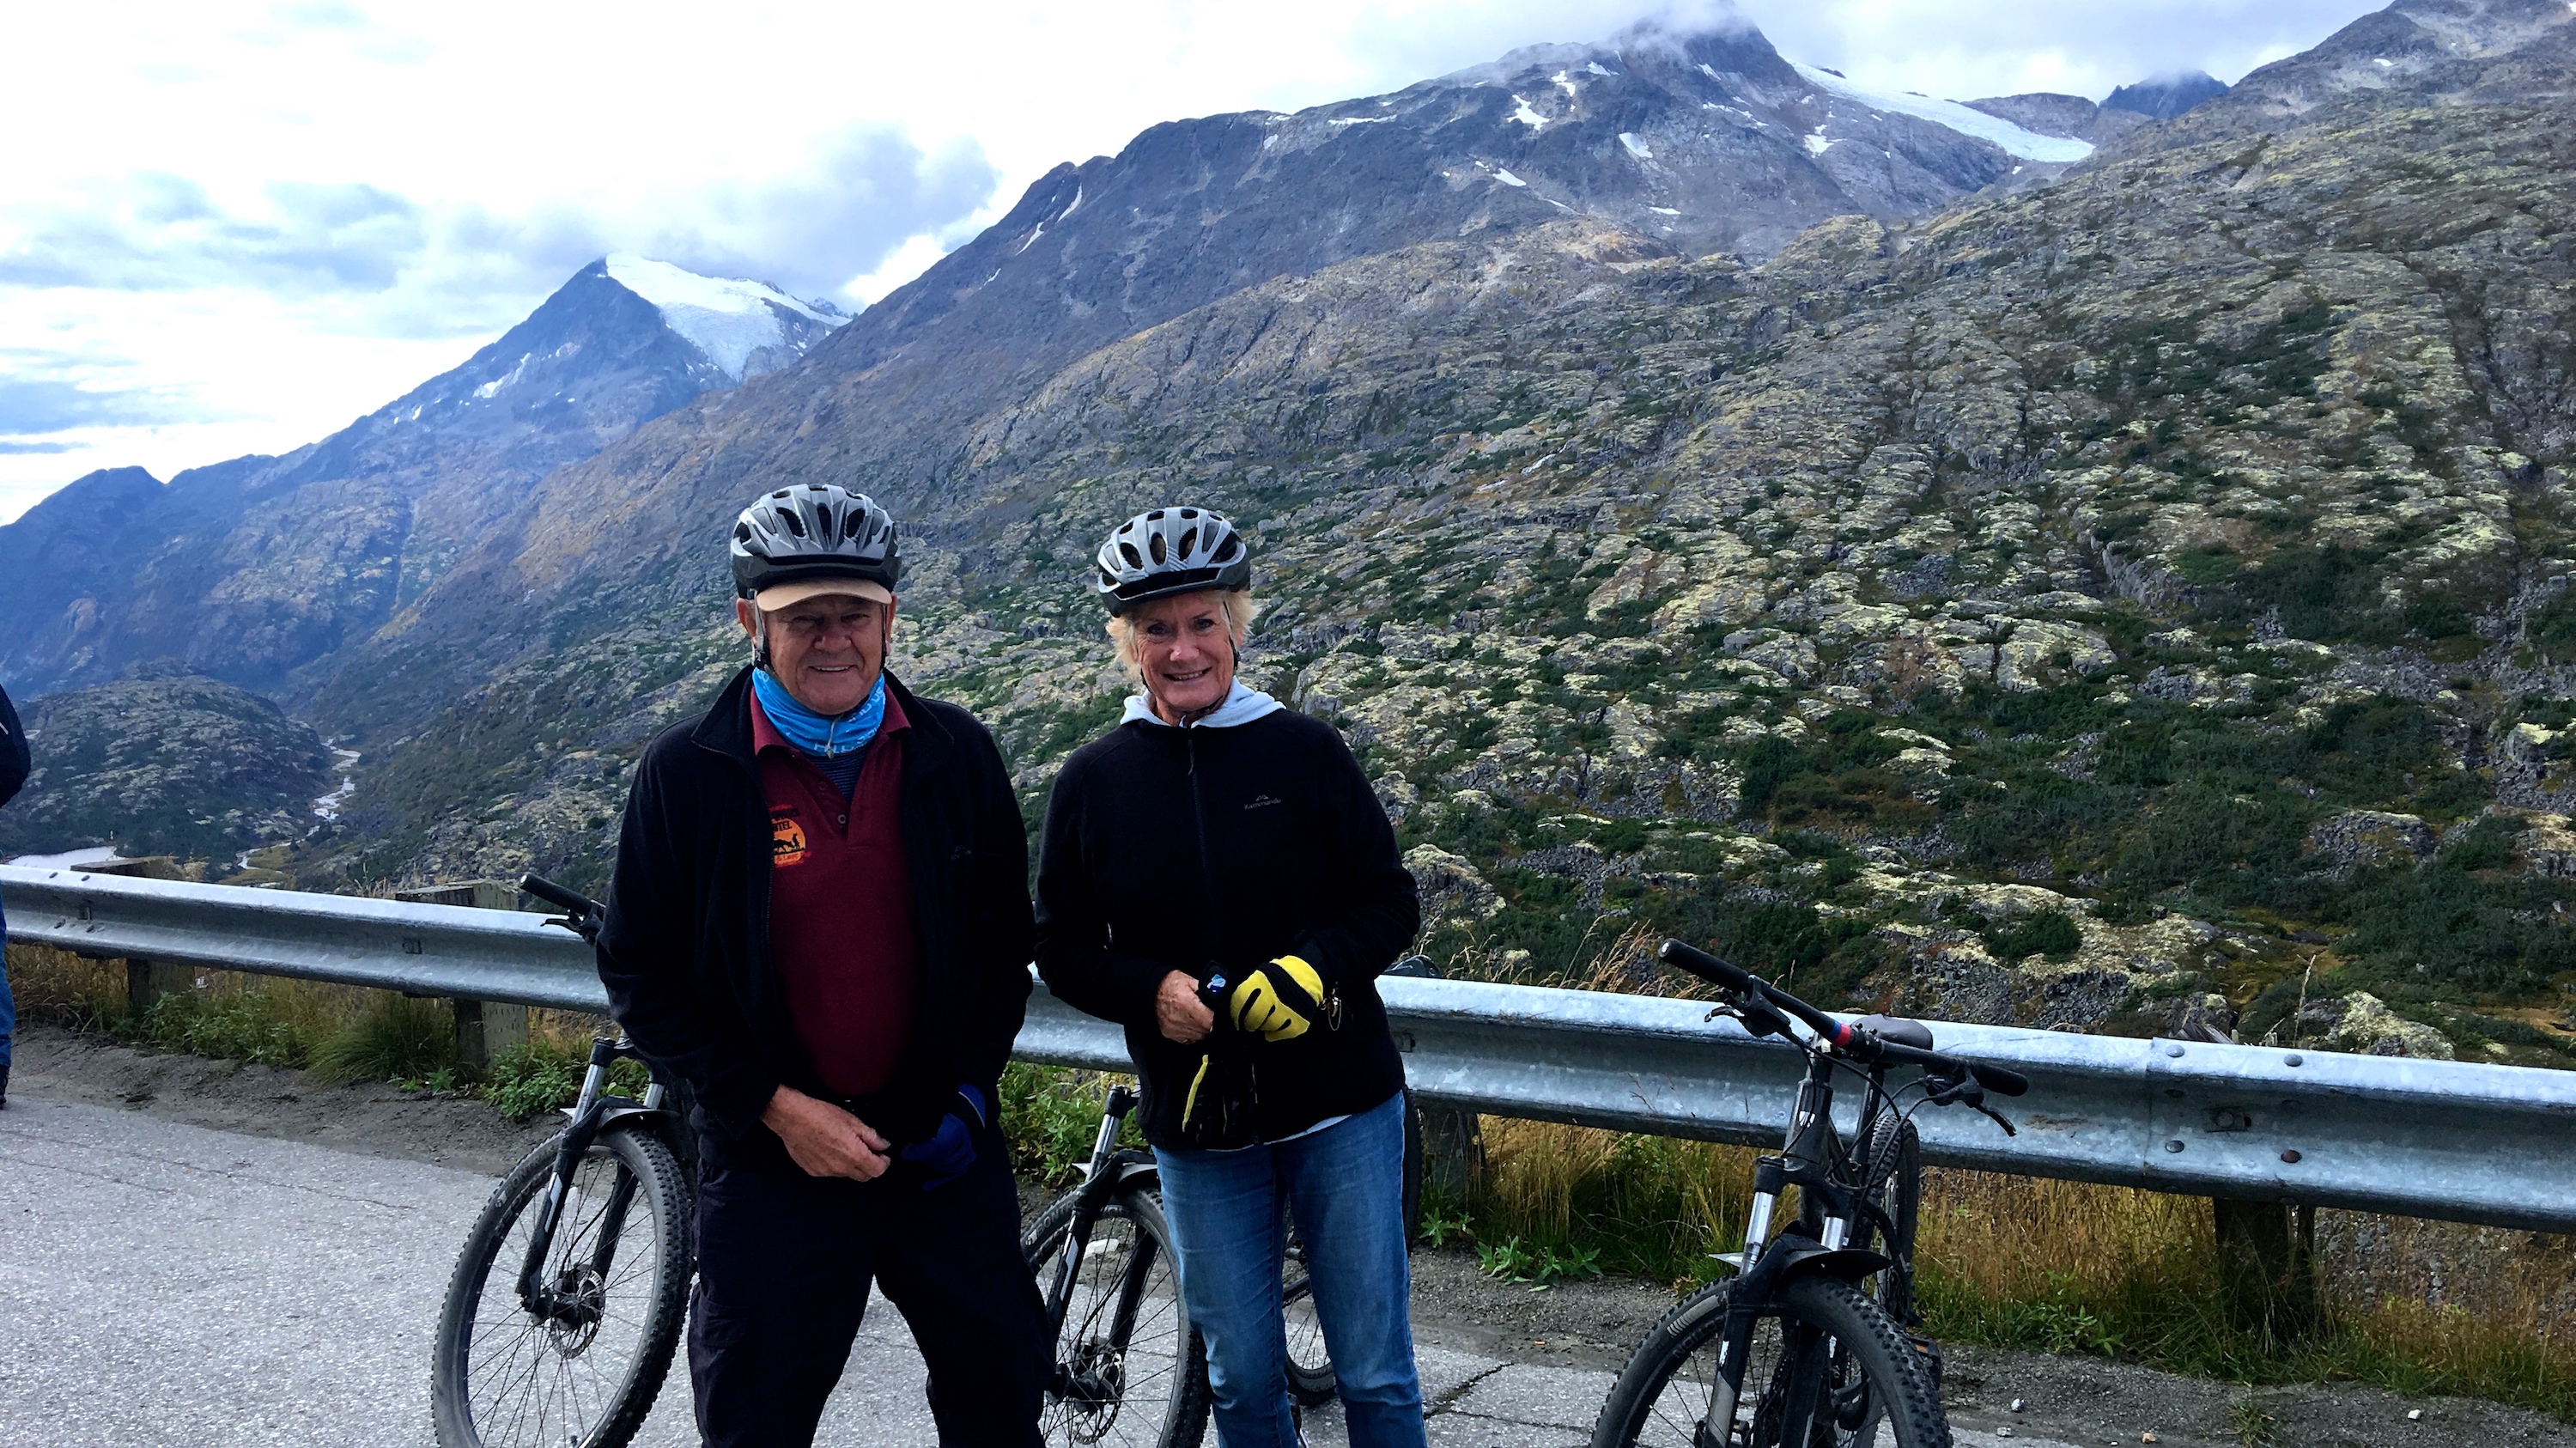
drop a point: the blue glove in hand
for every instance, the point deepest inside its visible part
(951, 1149)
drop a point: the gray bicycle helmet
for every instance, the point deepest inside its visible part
(812, 533)
(1170, 550)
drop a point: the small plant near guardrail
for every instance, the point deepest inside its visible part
(1050, 1116)
(391, 1038)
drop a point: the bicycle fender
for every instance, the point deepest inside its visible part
(1851, 1264)
(623, 1111)
(1138, 1171)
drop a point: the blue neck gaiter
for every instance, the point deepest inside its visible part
(819, 735)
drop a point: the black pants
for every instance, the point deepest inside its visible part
(784, 1265)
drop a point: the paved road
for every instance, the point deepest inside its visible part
(169, 1284)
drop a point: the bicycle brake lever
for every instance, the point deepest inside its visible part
(1995, 1116)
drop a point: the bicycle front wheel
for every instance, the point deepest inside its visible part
(1819, 1340)
(1130, 1369)
(580, 1361)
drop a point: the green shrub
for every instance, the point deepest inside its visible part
(257, 1025)
(396, 1038)
(2042, 932)
(1051, 1117)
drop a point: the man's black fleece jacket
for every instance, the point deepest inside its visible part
(1216, 850)
(685, 955)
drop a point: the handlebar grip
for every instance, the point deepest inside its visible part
(1999, 1080)
(562, 897)
(1704, 965)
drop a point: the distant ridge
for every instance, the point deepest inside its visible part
(2167, 96)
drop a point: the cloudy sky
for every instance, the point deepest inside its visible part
(231, 228)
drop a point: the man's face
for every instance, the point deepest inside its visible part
(1186, 645)
(828, 650)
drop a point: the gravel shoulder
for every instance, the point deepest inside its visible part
(1579, 1326)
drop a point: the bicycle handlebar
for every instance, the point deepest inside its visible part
(1852, 1040)
(561, 897)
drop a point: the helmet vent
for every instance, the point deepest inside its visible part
(1189, 540)
(794, 524)
(1154, 545)
(1226, 550)
(1128, 551)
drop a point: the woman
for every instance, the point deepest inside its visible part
(1217, 877)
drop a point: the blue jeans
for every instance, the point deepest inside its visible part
(1346, 1186)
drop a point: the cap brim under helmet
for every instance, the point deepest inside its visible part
(786, 595)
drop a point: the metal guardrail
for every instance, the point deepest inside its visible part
(2452, 1140)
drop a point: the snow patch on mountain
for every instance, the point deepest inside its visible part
(1967, 121)
(727, 318)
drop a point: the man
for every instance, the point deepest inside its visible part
(820, 923)
(14, 764)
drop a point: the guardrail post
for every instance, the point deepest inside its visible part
(2267, 1265)
(146, 982)
(1453, 1151)
(485, 1030)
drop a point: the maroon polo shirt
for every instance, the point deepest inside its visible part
(841, 928)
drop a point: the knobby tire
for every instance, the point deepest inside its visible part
(1878, 1376)
(503, 1378)
(1126, 1315)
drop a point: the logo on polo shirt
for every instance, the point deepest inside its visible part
(1261, 802)
(786, 838)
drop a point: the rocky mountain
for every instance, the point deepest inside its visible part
(2165, 96)
(254, 568)
(2423, 52)
(2135, 594)
(219, 772)
(2138, 600)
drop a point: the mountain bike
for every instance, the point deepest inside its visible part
(1814, 1342)
(592, 1234)
(1129, 1366)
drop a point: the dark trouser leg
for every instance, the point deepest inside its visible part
(783, 1267)
(952, 1264)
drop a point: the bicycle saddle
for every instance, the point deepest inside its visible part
(1899, 1030)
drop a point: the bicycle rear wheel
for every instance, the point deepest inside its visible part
(1866, 1376)
(1129, 1367)
(583, 1365)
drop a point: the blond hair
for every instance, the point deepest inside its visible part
(1240, 608)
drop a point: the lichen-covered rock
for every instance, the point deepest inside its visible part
(2362, 1024)
(2372, 837)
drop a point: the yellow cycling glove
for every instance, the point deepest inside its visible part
(1278, 1001)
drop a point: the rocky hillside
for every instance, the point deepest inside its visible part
(165, 763)
(254, 568)
(2139, 600)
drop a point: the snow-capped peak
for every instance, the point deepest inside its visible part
(728, 318)
(2012, 139)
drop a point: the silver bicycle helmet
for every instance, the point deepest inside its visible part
(1170, 550)
(810, 533)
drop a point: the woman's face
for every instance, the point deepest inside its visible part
(1186, 647)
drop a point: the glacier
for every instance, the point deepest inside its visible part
(1966, 120)
(727, 318)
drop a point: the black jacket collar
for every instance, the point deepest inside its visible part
(726, 729)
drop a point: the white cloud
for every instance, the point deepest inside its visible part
(265, 222)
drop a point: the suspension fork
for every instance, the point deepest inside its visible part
(1807, 1161)
(612, 1221)
(588, 1111)
(1100, 1179)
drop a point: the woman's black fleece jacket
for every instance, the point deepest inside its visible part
(1216, 850)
